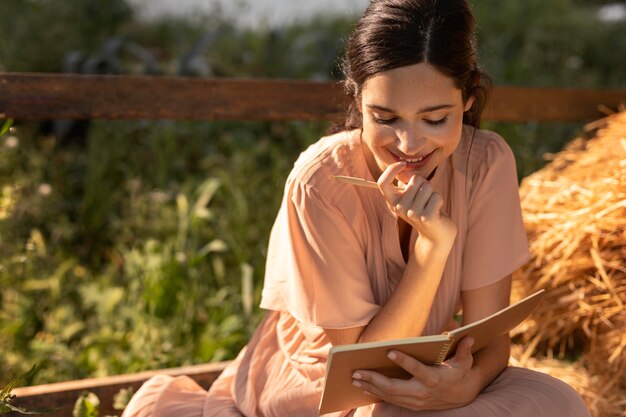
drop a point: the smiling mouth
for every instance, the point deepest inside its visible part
(409, 160)
(413, 160)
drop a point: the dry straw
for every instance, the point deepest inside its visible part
(575, 217)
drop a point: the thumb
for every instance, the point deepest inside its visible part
(463, 356)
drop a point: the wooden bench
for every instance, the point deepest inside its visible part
(65, 394)
(62, 96)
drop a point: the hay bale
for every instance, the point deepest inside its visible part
(575, 216)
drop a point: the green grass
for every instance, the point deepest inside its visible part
(144, 249)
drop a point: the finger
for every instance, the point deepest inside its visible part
(409, 194)
(368, 379)
(421, 200)
(389, 174)
(463, 357)
(433, 207)
(414, 398)
(385, 181)
(383, 386)
(427, 375)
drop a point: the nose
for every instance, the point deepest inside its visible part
(410, 141)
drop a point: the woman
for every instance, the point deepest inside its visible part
(347, 264)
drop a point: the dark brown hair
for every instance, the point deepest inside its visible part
(397, 33)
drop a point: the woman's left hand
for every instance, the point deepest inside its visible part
(449, 385)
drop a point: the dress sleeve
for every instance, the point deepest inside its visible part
(496, 243)
(316, 268)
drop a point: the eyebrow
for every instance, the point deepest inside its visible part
(422, 110)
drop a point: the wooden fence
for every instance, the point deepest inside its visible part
(63, 96)
(69, 96)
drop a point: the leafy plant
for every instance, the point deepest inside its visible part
(87, 405)
(6, 126)
(6, 396)
(122, 398)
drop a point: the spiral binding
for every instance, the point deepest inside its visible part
(444, 350)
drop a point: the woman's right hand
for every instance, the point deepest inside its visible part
(420, 206)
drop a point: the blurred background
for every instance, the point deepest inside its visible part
(132, 245)
(254, 14)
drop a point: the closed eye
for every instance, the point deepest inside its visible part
(436, 122)
(385, 121)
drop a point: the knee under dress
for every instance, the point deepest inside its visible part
(334, 258)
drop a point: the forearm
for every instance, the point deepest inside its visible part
(406, 312)
(459, 380)
(489, 362)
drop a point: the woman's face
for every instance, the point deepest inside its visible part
(412, 114)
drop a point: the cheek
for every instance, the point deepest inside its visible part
(448, 137)
(449, 144)
(377, 135)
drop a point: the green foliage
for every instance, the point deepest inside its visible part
(6, 126)
(6, 396)
(87, 405)
(36, 34)
(550, 43)
(143, 250)
(122, 398)
(556, 43)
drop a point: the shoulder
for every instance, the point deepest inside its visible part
(311, 186)
(484, 163)
(338, 154)
(480, 150)
(483, 146)
(335, 152)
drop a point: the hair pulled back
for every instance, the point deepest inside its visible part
(397, 33)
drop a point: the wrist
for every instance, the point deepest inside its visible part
(488, 364)
(476, 381)
(469, 388)
(426, 249)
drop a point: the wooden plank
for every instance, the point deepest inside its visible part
(65, 394)
(65, 96)
(73, 96)
(516, 104)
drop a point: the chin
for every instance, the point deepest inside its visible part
(406, 176)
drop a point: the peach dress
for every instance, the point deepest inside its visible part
(334, 259)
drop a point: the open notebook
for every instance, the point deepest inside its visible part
(343, 360)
